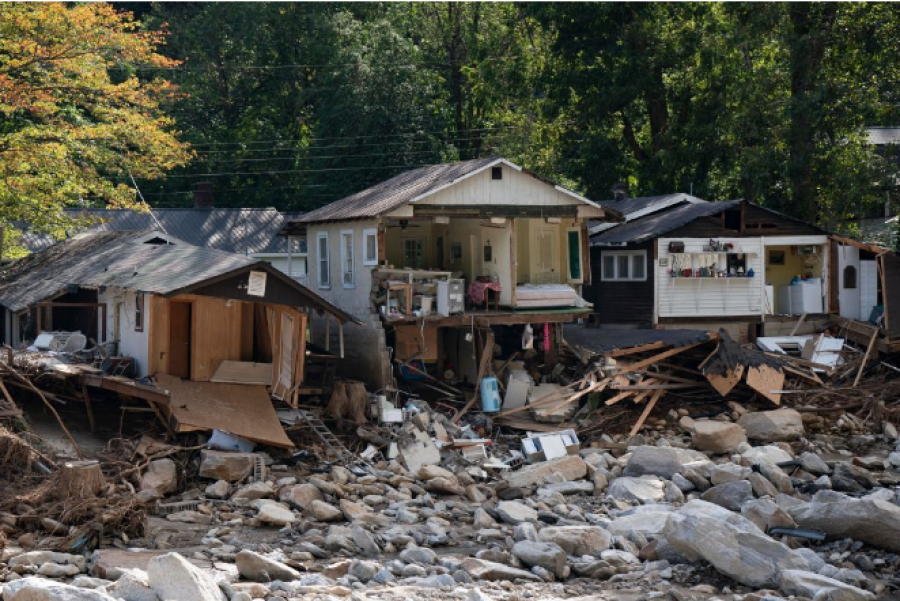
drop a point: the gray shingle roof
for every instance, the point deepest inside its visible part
(124, 259)
(645, 203)
(657, 224)
(239, 231)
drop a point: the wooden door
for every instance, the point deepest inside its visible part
(180, 339)
(547, 259)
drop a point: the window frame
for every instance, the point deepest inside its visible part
(324, 285)
(344, 234)
(367, 233)
(139, 308)
(569, 278)
(420, 240)
(640, 255)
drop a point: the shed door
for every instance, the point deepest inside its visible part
(547, 257)
(868, 288)
(890, 268)
(180, 340)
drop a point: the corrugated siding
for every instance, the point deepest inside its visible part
(710, 297)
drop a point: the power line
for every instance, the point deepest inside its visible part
(281, 172)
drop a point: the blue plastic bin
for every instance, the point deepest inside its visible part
(490, 395)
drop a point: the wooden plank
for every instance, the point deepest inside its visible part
(657, 358)
(243, 372)
(88, 406)
(890, 284)
(128, 387)
(158, 335)
(596, 387)
(726, 383)
(216, 325)
(767, 381)
(865, 359)
(646, 413)
(652, 346)
(680, 386)
(798, 324)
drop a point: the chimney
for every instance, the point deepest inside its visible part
(203, 195)
(620, 192)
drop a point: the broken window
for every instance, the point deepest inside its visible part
(370, 246)
(138, 312)
(324, 260)
(347, 276)
(850, 277)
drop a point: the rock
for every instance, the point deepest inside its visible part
(55, 570)
(761, 485)
(419, 452)
(252, 492)
(161, 477)
(660, 461)
(769, 453)
(175, 579)
(577, 540)
(765, 513)
(549, 556)
(821, 588)
(445, 486)
(223, 465)
(323, 512)
(717, 437)
(421, 555)
(38, 558)
(773, 426)
(567, 488)
(133, 586)
(731, 543)
(513, 512)
(649, 524)
(300, 495)
(481, 569)
(867, 520)
(427, 472)
(259, 568)
(272, 512)
(683, 484)
(852, 478)
(637, 490)
(42, 589)
(730, 495)
(217, 490)
(364, 540)
(814, 464)
(364, 570)
(354, 511)
(570, 467)
(53, 526)
(89, 582)
(777, 477)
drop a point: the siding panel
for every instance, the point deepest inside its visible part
(621, 302)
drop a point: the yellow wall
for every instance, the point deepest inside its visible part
(781, 275)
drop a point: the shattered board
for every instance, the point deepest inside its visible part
(240, 409)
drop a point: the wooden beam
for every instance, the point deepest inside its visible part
(798, 324)
(646, 413)
(487, 354)
(865, 359)
(652, 346)
(657, 358)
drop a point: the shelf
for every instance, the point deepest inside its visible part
(734, 277)
(722, 252)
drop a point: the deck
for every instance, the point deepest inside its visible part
(502, 317)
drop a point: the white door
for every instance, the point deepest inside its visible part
(868, 288)
(848, 282)
(547, 263)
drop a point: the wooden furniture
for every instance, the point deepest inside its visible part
(406, 290)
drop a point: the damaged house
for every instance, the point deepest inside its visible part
(117, 307)
(444, 261)
(681, 262)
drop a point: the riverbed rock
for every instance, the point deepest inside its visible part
(717, 437)
(300, 495)
(871, 521)
(660, 461)
(773, 426)
(161, 477)
(324, 512)
(259, 568)
(513, 512)
(223, 465)
(549, 556)
(821, 588)
(175, 579)
(43, 589)
(570, 467)
(730, 495)
(577, 540)
(481, 569)
(637, 490)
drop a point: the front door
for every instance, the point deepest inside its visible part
(547, 264)
(180, 340)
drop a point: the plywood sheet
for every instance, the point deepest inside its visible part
(765, 380)
(216, 335)
(238, 409)
(243, 372)
(724, 383)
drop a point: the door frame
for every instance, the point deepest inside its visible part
(190, 336)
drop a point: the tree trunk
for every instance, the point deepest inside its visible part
(79, 480)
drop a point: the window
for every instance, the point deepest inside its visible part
(496, 172)
(624, 266)
(138, 312)
(850, 277)
(413, 252)
(370, 247)
(573, 239)
(347, 277)
(324, 260)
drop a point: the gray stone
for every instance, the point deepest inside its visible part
(730, 495)
(274, 513)
(673, 493)
(761, 485)
(549, 556)
(161, 477)
(364, 570)
(731, 543)
(259, 568)
(567, 488)
(55, 570)
(354, 511)
(481, 569)
(728, 472)
(765, 513)
(650, 524)
(300, 495)
(133, 586)
(821, 588)
(697, 479)
(384, 576)
(577, 540)
(683, 484)
(421, 555)
(852, 478)
(868, 520)
(37, 558)
(89, 582)
(513, 512)
(814, 464)
(660, 461)
(768, 453)
(323, 512)
(175, 579)
(445, 486)
(717, 437)
(773, 426)
(364, 540)
(570, 467)
(637, 490)
(223, 465)
(252, 492)
(42, 589)
(217, 490)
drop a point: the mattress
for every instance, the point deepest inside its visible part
(545, 295)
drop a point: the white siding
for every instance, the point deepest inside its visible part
(709, 297)
(353, 300)
(130, 342)
(516, 188)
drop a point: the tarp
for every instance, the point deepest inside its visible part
(239, 409)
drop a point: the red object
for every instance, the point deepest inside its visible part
(546, 336)
(477, 290)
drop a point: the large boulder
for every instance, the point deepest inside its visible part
(577, 540)
(717, 437)
(731, 543)
(660, 461)
(648, 523)
(273, 513)
(42, 589)
(513, 512)
(161, 477)
(175, 579)
(773, 426)
(549, 556)
(570, 467)
(259, 568)
(133, 586)
(637, 490)
(482, 569)
(767, 454)
(224, 465)
(323, 512)
(300, 495)
(869, 520)
(730, 495)
(800, 583)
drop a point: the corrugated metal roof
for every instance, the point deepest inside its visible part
(409, 186)
(125, 259)
(648, 203)
(657, 224)
(242, 231)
